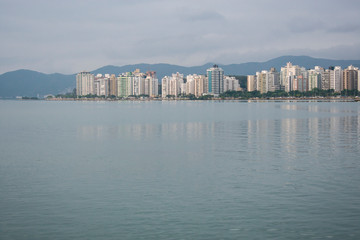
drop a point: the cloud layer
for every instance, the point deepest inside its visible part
(70, 36)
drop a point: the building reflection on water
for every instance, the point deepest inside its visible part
(137, 131)
(327, 130)
(305, 138)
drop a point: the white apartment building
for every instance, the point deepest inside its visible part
(231, 84)
(190, 84)
(251, 83)
(262, 81)
(101, 86)
(273, 80)
(172, 85)
(201, 85)
(336, 79)
(288, 74)
(85, 83)
(151, 86)
(125, 84)
(138, 84)
(314, 79)
(165, 85)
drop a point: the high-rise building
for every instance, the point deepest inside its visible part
(151, 84)
(165, 86)
(262, 81)
(176, 84)
(350, 78)
(200, 85)
(301, 83)
(251, 83)
(288, 74)
(314, 79)
(336, 79)
(172, 85)
(138, 83)
(190, 84)
(101, 86)
(125, 84)
(325, 79)
(112, 85)
(231, 84)
(183, 88)
(85, 83)
(273, 80)
(215, 80)
(358, 85)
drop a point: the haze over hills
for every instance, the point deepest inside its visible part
(231, 69)
(32, 83)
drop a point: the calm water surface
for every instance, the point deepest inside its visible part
(179, 170)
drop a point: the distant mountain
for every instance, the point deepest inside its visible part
(31, 83)
(303, 61)
(231, 69)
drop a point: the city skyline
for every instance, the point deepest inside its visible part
(137, 83)
(297, 78)
(290, 78)
(66, 36)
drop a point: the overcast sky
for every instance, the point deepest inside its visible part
(70, 36)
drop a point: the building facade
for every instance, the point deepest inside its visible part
(85, 83)
(231, 84)
(171, 86)
(350, 78)
(251, 83)
(101, 86)
(288, 74)
(336, 79)
(215, 80)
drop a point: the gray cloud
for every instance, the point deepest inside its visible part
(69, 36)
(348, 28)
(305, 25)
(203, 16)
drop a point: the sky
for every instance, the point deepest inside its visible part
(69, 36)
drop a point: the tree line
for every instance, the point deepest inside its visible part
(316, 92)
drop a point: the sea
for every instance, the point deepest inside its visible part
(179, 170)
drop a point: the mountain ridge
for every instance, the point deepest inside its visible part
(24, 82)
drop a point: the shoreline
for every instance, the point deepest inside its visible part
(281, 99)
